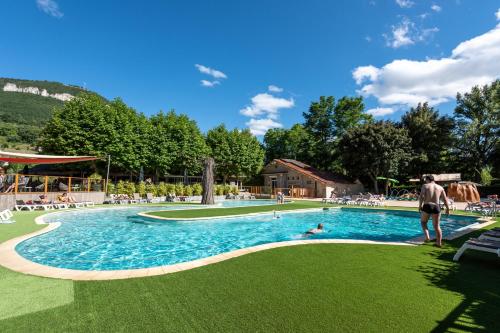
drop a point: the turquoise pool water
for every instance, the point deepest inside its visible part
(117, 238)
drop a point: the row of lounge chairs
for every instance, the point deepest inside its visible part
(359, 200)
(124, 199)
(484, 208)
(488, 241)
(39, 205)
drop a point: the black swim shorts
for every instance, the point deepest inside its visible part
(431, 208)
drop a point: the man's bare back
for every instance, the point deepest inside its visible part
(431, 192)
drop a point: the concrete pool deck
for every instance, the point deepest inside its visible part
(10, 259)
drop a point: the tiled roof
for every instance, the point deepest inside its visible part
(322, 176)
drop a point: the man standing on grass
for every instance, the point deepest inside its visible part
(430, 195)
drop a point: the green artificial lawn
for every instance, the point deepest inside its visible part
(219, 212)
(309, 288)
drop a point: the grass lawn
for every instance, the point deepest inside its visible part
(215, 212)
(324, 287)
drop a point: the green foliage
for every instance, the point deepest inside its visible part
(129, 188)
(325, 123)
(431, 139)
(151, 188)
(375, 149)
(162, 189)
(188, 190)
(197, 189)
(287, 143)
(111, 189)
(141, 188)
(179, 189)
(120, 187)
(236, 153)
(486, 177)
(179, 144)
(234, 190)
(170, 188)
(219, 189)
(478, 127)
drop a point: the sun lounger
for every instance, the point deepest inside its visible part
(493, 235)
(137, 199)
(484, 245)
(151, 199)
(76, 204)
(60, 205)
(21, 205)
(6, 217)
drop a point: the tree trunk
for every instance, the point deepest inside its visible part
(207, 180)
(386, 187)
(375, 183)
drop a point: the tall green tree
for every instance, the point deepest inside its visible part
(247, 154)
(319, 126)
(431, 139)
(477, 115)
(182, 140)
(349, 112)
(88, 125)
(377, 149)
(219, 142)
(276, 143)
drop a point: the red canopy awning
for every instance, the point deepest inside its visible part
(42, 159)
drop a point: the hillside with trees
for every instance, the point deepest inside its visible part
(22, 114)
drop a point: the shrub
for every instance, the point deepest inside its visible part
(219, 189)
(120, 187)
(486, 177)
(179, 189)
(141, 188)
(235, 190)
(111, 189)
(162, 189)
(188, 190)
(151, 188)
(197, 189)
(170, 188)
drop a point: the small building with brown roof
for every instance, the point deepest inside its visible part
(298, 179)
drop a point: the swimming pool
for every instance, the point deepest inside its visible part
(117, 238)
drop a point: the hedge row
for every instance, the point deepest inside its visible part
(162, 189)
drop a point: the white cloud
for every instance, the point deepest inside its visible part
(49, 7)
(365, 72)
(408, 82)
(207, 83)
(266, 104)
(379, 112)
(436, 8)
(210, 71)
(407, 33)
(261, 126)
(273, 88)
(497, 14)
(368, 39)
(405, 3)
(423, 16)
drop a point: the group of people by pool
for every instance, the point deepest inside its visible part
(62, 198)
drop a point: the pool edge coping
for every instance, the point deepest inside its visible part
(12, 260)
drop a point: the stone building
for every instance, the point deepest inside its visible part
(298, 179)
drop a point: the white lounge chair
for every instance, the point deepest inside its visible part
(151, 199)
(485, 245)
(6, 217)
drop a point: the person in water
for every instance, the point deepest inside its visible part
(317, 230)
(430, 196)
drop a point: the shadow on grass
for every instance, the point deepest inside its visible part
(476, 278)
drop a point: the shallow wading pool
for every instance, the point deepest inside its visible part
(117, 238)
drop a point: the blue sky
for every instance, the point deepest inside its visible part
(395, 53)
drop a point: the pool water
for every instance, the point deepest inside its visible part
(117, 238)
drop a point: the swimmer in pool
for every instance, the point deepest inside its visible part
(317, 230)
